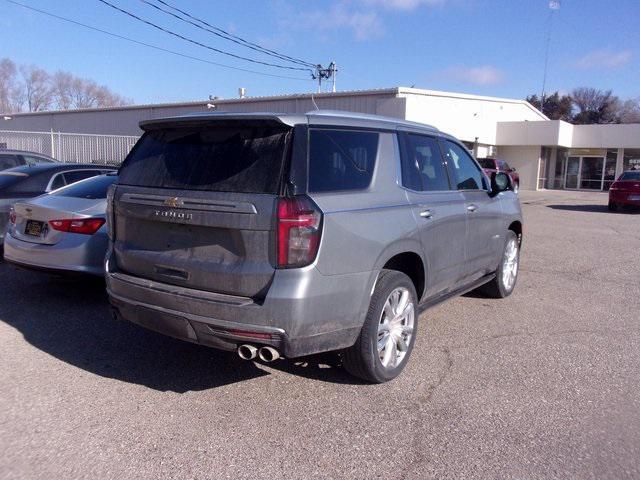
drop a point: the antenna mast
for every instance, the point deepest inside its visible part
(554, 5)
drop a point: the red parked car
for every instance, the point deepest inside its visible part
(491, 165)
(625, 190)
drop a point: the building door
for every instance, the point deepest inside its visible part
(585, 173)
(591, 172)
(573, 173)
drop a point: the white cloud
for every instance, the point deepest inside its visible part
(403, 4)
(341, 15)
(363, 17)
(480, 75)
(604, 58)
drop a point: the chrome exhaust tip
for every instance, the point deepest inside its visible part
(247, 352)
(268, 354)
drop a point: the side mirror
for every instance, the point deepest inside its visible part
(500, 182)
(512, 169)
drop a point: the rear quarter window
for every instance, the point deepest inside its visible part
(341, 159)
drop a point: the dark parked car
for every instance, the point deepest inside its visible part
(18, 158)
(492, 165)
(26, 182)
(286, 235)
(625, 190)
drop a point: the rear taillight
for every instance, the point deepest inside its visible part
(299, 221)
(86, 226)
(12, 216)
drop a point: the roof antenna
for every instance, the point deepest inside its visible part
(314, 102)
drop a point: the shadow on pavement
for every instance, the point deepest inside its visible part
(593, 208)
(70, 320)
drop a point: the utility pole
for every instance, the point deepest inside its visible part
(554, 6)
(325, 73)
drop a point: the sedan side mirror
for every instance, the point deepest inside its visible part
(500, 182)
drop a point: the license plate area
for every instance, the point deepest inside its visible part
(634, 198)
(34, 228)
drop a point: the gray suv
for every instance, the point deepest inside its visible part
(279, 235)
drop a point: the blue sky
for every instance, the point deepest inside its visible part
(487, 47)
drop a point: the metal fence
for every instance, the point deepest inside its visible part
(71, 147)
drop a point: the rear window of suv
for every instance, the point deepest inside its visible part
(245, 159)
(341, 159)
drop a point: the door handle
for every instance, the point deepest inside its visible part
(472, 207)
(426, 213)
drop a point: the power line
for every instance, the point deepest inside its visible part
(195, 42)
(223, 33)
(149, 45)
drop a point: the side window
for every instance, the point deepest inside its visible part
(77, 175)
(58, 182)
(504, 166)
(32, 160)
(422, 166)
(466, 175)
(9, 161)
(341, 159)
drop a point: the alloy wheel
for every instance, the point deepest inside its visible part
(395, 328)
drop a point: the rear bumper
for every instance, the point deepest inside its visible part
(74, 253)
(304, 312)
(624, 198)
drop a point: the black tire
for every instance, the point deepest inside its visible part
(363, 359)
(613, 207)
(496, 288)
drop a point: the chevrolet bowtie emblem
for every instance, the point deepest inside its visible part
(173, 202)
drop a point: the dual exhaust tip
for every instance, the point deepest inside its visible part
(266, 354)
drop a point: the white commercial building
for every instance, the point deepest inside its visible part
(546, 153)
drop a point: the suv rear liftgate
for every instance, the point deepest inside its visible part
(199, 225)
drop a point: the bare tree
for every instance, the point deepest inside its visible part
(37, 88)
(11, 92)
(630, 111)
(595, 106)
(69, 91)
(61, 90)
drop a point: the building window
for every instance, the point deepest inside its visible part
(561, 162)
(610, 168)
(631, 159)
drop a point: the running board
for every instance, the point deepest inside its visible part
(432, 302)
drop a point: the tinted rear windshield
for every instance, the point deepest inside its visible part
(92, 188)
(247, 159)
(630, 176)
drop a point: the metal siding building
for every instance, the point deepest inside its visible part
(548, 154)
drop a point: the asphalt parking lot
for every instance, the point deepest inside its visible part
(544, 384)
